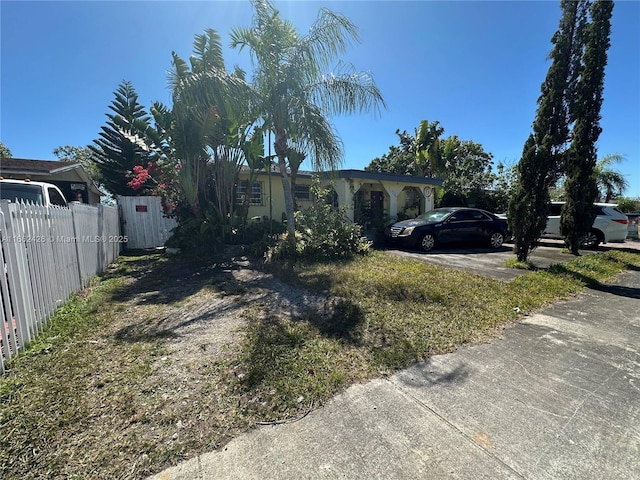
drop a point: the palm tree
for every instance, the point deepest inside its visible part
(208, 124)
(295, 96)
(428, 150)
(295, 158)
(611, 183)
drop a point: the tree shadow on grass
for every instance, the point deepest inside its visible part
(284, 351)
(286, 272)
(591, 283)
(170, 279)
(271, 343)
(344, 322)
(167, 281)
(142, 332)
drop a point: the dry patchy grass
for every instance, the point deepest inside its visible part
(163, 359)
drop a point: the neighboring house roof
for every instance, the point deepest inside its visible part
(39, 168)
(43, 167)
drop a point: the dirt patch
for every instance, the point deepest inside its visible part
(149, 379)
(200, 308)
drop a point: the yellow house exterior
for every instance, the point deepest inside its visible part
(365, 195)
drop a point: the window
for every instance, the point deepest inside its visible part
(412, 199)
(21, 192)
(301, 192)
(479, 216)
(256, 193)
(55, 198)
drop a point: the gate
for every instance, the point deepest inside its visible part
(143, 222)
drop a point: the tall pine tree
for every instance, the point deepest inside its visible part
(544, 150)
(581, 189)
(119, 148)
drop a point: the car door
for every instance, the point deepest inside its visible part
(552, 229)
(484, 226)
(460, 227)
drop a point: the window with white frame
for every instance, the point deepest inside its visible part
(412, 199)
(302, 192)
(256, 192)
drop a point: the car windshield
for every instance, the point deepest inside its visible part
(17, 192)
(435, 215)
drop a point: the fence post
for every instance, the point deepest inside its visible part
(18, 272)
(77, 235)
(103, 245)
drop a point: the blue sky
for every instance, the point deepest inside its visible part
(474, 66)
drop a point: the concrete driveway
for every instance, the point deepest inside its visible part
(491, 262)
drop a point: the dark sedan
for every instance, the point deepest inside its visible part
(448, 226)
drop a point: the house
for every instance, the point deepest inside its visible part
(368, 197)
(70, 178)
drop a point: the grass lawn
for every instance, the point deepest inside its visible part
(140, 371)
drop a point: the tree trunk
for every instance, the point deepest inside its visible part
(281, 153)
(288, 197)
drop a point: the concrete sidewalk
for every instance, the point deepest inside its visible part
(557, 397)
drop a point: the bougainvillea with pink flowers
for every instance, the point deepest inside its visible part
(139, 176)
(160, 179)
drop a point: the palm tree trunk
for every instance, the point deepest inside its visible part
(281, 152)
(288, 197)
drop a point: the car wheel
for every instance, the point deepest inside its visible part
(592, 240)
(496, 239)
(427, 242)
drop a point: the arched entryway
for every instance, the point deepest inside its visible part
(371, 205)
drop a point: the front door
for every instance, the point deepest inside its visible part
(377, 201)
(375, 212)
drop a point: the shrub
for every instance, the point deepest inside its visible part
(256, 231)
(628, 205)
(198, 235)
(322, 231)
(259, 236)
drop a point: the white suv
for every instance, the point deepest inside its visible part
(610, 224)
(39, 193)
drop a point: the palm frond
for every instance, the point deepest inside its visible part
(609, 160)
(242, 37)
(329, 36)
(207, 51)
(610, 182)
(311, 132)
(347, 93)
(179, 72)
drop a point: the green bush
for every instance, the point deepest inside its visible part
(198, 235)
(259, 236)
(628, 205)
(256, 230)
(322, 231)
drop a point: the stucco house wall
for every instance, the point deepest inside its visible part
(378, 193)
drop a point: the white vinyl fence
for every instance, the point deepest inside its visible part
(46, 254)
(143, 222)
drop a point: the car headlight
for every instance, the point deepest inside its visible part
(407, 231)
